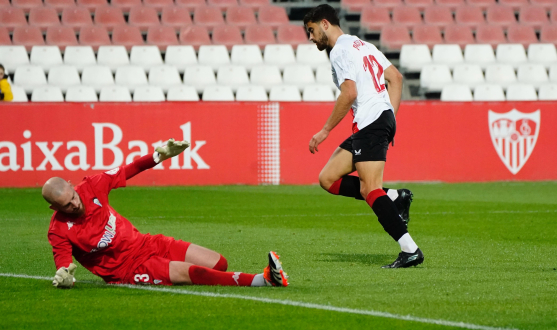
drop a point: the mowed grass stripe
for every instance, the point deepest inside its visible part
(288, 303)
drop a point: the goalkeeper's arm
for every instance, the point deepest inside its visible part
(170, 149)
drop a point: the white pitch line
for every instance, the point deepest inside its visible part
(288, 303)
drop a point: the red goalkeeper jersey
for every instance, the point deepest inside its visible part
(102, 240)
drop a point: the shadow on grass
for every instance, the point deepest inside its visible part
(362, 258)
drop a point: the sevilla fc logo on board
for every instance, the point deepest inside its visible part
(514, 135)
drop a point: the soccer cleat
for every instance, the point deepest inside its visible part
(402, 203)
(406, 260)
(273, 274)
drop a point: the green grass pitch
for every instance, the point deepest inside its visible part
(490, 260)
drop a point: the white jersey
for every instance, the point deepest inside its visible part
(360, 61)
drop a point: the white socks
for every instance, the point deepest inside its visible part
(258, 280)
(407, 244)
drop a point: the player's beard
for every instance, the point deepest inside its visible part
(323, 42)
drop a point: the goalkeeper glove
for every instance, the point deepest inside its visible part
(171, 149)
(64, 277)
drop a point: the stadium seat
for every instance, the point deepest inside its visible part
(190, 4)
(145, 57)
(429, 35)
(223, 5)
(470, 16)
(28, 36)
(408, 17)
(452, 4)
(434, 76)
(208, 17)
(468, 74)
(43, 17)
(490, 34)
(5, 37)
(46, 57)
(247, 56)
(285, 93)
(521, 92)
(514, 4)
(373, 18)
(298, 75)
(414, 57)
(482, 4)
(13, 56)
(318, 93)
(5, 3)
(97, 76)
(92, 5)
(115, 94)
(76, 17)
(127, 36)
(130, 76)
(240, 17)
(500, 15)
(94, 36)
(553, 73)
(81, 94)
(548, 34)
(79, 57)
(63, 76)
(176, 17)
(324, 76)
(456, 93)
(47, 94)
(182, 93)
(546, 4)
(159, 5)
(148, 94)
(533, 74)
(522, 34)
(199, 76)
(232, 76)
(180, 57)
(254, 4)
(113, 56)
(480, 54)
(292, 35)
(489, 92)
(227, 36)
(354, 6)
(420, 4)
(438, 16)
(162, 37)
(251, 93)
(19, 94)
(393, 36)
(109, 17)
(310, 55)
(260, 35)
(267, 76)
(164, 76)
(143, 17)
(450, 55)
(500, 74)
(214, 56)
(459, 34)
(125, 5)
(195, 36)
(389, 4)
(60, 5)
(534, 16)
(272, 15)
(513, 54)
(218, 93)
(279, 55)
(27, 5)
(547, 92)
(542, 54)
(29, 77)
(61, 36)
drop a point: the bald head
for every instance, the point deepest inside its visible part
(54, 188)
(62, 197)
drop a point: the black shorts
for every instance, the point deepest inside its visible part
(371, 143)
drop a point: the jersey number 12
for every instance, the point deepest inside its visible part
(376, 71)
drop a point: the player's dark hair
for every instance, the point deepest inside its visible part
(320, 13)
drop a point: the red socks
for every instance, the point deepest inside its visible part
(206, 276)
(335, 187)
(373, 195)
(222, 264)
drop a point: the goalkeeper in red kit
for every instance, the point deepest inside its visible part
(108, 245)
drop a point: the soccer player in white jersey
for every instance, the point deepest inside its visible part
(360, 71)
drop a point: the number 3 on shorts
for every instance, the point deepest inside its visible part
(141, 278)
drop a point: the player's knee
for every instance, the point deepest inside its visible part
(325, 181)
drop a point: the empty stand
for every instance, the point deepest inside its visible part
(218, 93)
(310, 55)
(113, 56)
(459, 34)
(94, 36)
(456, 93)
(162, 37)
(522, 34)
(548, 34)
(164, 76)
(429, 35)
(46, 57)
(143, 17)
(13, 56)
(450, 55)
(76, 17)
(251, 93)
(354, 5)
(145, 57)
(534, 16)
(196, 36)
(408, 17)
(47, 94)
(285, 93)
(438, 16)
(19, 94)
(434, 76)
(500, 74)
(533, 74)
(97, 76)
(79, 57)
(298, 75)
(546, 4)
(148, 94)
(214, 56)
(208, 17)
(127, 36)
(159, 5)
(291, 35)
(61, 36)
(489, 92)
(115, 94)
(483, 4)
(317, 93)
(182, 93)
(233, 76)
(272, 15)
(176, 17)
(261, 35)
(63, 76)
(240, 17)
(393, 36)
(452, 4)
(227, 35)
(4, 36)
(542, 54)
(324, 76)
(180, 57)
(29, 77)
(247, 56)
(130, 76)
(546, 93)
(27, 5)
(190, 4)
(81, 94)
(199, 76)
(414, 57)
(59, 5)
(513, 54)
(223, 5)
(125, 5)
(92, 5)
(267, 76)
(27, 36)
(490, 34)
(389, 4)
(481, 54)
(553, 73)
(514, 4)
(470, 16)
(279, 55)
(254, 4)
(521, 92)
(500, 15)
(109, 17)
(468, 74)
(420, 4)
(43, 17)
(373, 18)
